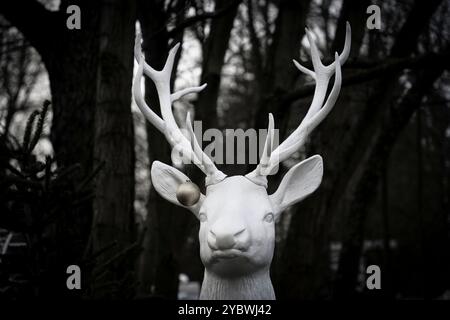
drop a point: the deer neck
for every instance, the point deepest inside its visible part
(256, 286)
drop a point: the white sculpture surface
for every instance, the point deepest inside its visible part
(237, 215)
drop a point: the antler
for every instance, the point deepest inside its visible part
(316, 113)
(183, 148)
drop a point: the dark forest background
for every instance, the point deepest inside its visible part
(74, 181)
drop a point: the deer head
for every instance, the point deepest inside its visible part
(237, 215)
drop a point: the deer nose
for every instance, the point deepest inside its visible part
(223, 240)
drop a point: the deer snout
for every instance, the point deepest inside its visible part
(220, 240)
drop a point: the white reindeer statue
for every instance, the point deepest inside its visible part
(237, 215)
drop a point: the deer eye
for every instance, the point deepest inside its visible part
(202, 217)
(268, 217)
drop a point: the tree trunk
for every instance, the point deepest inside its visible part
(214, 50)
(158, 267)
(354, 190)
(71, 59)
(367, 175)
(114, 136)
(352, 11)
(279, 73)
(78, 84)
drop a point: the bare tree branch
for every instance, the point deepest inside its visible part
(198, 18)
(32, 19)
(392, 65)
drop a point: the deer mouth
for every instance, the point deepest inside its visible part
(227, 254)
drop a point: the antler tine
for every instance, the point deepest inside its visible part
(194, 143)
(317, 63)
(213, 174)
(258, 175)
(177, 95)
(321, 73)
(148, 70)
(140, 102)
(138, 53)
(332, 98)
(269, 142)
(167, 125)
(268, 146)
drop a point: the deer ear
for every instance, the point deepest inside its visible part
(166, 179)
(299, 182)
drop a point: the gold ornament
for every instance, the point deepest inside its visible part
(188, 193)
